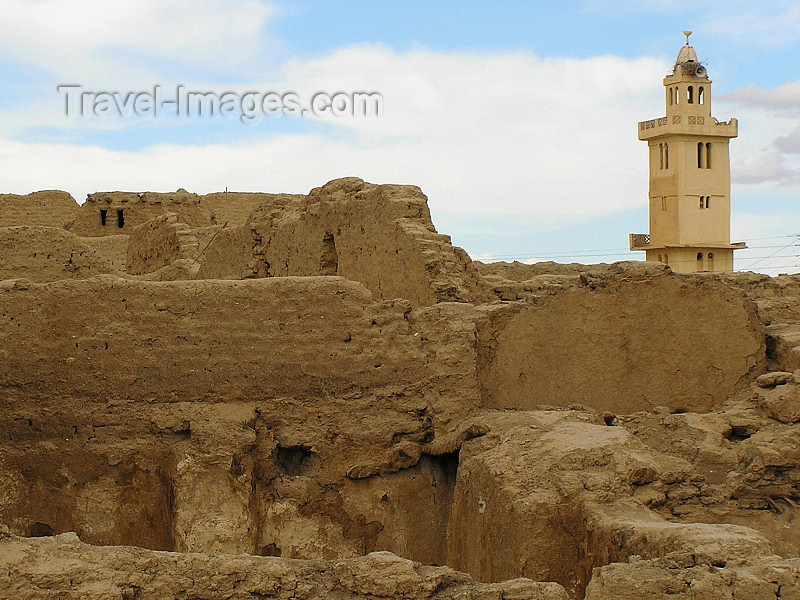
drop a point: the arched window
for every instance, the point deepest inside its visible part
(666, 155)
(702, 202)
(700, 95)
(710, 261)
(699, 261)
(677, 96)
(690, 94)
(701, 151)
(670, 94)
(661, 155)
(708, 199)
(659, 258)
(708, 155)
(666, 259)
(663, 203)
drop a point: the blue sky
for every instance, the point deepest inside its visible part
(517, 119)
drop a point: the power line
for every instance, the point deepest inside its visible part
(498, 258)
(588, 253)
(772, 265)
(790, 244)
(612, 252)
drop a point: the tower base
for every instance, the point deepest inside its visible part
(693, 260)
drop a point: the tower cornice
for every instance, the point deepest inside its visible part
(699, 125)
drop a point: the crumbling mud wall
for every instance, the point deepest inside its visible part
(113, 248)
(381, 236)
(232, 253)
(48, 254)
(523, 510)
(329, 377)
(65, 568)
(745, 466)
(624, 339)
(684, 577)
(779, 309)
(114, 213)
(50, 208)
(557, 495)
(233, 209)
(213, 340)
(158, 243)
(286, 416)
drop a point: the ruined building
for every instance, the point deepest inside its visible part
(690, 175)
(318, 396)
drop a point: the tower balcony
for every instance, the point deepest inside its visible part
(639, 241)
(688, 124)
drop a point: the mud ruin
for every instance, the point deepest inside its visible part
(249, 396)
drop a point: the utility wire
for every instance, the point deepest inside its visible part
(790, 244)
(588, 253)
(625, 251)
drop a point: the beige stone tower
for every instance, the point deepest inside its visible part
(690, 175)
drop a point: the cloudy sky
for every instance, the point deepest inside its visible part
(517, 119)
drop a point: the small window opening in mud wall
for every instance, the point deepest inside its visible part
(293, 460)
(103, 215)
(120, 218)
(40, 530)
(329, 262)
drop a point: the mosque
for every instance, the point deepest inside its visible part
(690, 175)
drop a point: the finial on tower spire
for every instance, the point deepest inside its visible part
(687, 34)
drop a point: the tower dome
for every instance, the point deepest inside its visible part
(686, 54)
(687, 61)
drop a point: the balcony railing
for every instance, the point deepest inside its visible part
(639, 241)
(676, 120)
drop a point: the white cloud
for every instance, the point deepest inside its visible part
(767, 148)
(101, 42)
(762, 168)
(782, 98)
(790, 144)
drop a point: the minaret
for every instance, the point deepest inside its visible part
(690, 175)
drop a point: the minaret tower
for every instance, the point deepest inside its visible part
(690, 175)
